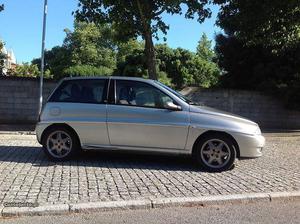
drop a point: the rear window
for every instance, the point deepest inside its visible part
(80, 91)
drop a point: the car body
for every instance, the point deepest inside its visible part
(138, 114)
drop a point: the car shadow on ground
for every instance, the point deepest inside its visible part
(104, 159)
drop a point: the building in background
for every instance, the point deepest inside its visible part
(10, 62)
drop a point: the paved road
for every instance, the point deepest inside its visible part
(27, 175)
(272, 213)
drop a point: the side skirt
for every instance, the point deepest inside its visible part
(136, 149)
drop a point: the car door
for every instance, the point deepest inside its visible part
(81, 103)
(138, 118)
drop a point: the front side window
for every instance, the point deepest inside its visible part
(80, 91)
(133, 93)
(182, 97)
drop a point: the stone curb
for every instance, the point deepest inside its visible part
(17, 132)
(32, 211)
(148, 204)
(282, 196)
(211, 200)
(111, 205)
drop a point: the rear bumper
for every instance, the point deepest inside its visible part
(251, 146)
(39, 129)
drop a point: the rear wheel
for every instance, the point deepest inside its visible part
(215, 152)
(59, 143)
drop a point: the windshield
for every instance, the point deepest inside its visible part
(182, 97)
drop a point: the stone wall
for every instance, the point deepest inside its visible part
(19, 98)
(267, 111)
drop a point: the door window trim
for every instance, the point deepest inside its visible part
(145, 83)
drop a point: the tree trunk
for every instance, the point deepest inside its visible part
(150, 55)
(149, 46)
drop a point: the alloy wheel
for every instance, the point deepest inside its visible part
(59, 144)
(215, 153)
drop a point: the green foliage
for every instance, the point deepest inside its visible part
(186, 68)
(204, 48)
(205, 73)
(208, 72)
(92, 50)
(134, 64)
(56, 61)
(90, 44)
(140, 18)
(87, 70)
(176, 67)
(131, 18)
(128, 48)
(180, 69)
(163, 78)
(88, 50)
(256, 67)
(261, 47)
(271, 23)
(47, 74)
(27, 70)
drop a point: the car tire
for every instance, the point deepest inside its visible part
(215, 152)
(60, 143)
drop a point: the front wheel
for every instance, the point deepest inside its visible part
(215, 152)
(60, 144)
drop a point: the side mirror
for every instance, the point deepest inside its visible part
(172, 106)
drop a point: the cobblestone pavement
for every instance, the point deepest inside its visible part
(26, 175)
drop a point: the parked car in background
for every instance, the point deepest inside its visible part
(122, 113)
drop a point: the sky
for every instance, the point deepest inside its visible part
(21, 27)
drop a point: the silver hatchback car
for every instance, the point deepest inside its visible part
(122, 113)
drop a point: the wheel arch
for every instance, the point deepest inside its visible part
(57, 125)
(203, 135)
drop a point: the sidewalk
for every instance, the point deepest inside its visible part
(101, 181)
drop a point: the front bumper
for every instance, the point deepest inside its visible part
(250, 146)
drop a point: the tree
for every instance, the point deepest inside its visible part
(260, 49)
(56, 61)
(134, 64)
(271, 23)
(1, 7)
(26, 70)
(91, 45)
(140, 18)
(208, 72)
(88, 49)
(186, 68)
(256, 67)
(93, 49)
(204, 48)
(127, 48)
(205, 73)
(180, 68)
(86, 70)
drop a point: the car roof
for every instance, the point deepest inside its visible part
(110, 77)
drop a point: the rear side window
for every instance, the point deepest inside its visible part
(80, 91)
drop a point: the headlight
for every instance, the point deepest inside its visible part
(257, 131)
